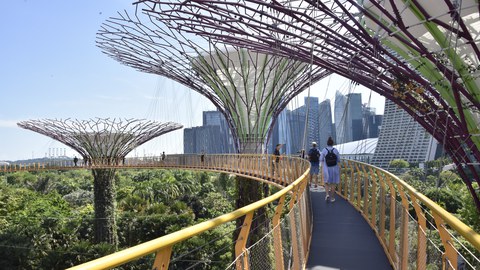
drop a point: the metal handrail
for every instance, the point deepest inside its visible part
(380, 190)
(162, 246)
(378, 185)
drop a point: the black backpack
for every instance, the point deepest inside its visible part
(330, 158)
(314, 155)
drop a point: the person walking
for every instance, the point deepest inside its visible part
(276, 159)
(314, 158)
(330, 158)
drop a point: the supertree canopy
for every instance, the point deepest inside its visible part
(102, 141)
(422, 55)
(249, 87)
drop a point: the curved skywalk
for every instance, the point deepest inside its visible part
(380, 224)
(341, 237)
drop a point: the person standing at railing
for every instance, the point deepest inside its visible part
(330, 158)
(276, 159)
(314, 158)
(75, 160)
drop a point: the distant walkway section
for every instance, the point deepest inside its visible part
(342, 239)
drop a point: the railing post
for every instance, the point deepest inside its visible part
(359, 178)
(303, 219)
(382, 205)
(242, 263)
(404, 229)
(365, 191)
(421, 236)
(345, 179)
(374, 178)
(277, 234)
(450, 253)
(352, 183)
(293, 230)
(391, 233)
(162, 259)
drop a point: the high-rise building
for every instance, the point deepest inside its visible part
(354, 130)
(296, 120)
(340, 117)
(213, 137)
(313, 131)
(401, 137)
(280, 134)
(371, 122)
(216, 118)
(374, 125)
(189, 141)
(325, 122)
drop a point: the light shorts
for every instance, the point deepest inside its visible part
(314, 167)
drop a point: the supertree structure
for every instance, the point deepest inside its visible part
(422, 55)
(249, 88)
(104, 143)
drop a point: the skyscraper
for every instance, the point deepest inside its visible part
(371, 122)
(216, 118)
(340, 117)
(325, 122)
(313, 131)
(281, 134)
(213, 136)
(401, 137)
(354, 125)
(296, 120)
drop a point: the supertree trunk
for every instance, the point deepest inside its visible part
(105, 227)
(250, 191)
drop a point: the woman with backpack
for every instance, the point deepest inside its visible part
(330, 159)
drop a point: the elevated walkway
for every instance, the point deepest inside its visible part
(384, 224)
(341, 238)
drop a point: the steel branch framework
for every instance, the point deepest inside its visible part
(249, 88)
(424, 56)
(102, 140)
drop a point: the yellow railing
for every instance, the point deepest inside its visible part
(414, 231)
(293, 197)
(259, 166)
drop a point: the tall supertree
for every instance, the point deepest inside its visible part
(249, 87)
(424, 56)
(104, 143)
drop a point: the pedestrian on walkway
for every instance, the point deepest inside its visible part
(314, 158)
(330, 158)
(276, 159)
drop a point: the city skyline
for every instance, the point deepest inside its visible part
(212, 137)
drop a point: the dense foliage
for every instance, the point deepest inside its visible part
(447, 189)
(46, 218)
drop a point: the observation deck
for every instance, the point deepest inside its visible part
(377, 221)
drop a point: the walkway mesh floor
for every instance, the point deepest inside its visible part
(342, 239)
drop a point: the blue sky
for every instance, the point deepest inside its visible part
(51, 68)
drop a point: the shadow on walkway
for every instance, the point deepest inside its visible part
(342, 239)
